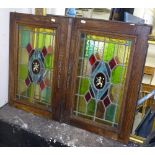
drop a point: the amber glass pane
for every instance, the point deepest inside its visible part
(101, 75)
(35, 64)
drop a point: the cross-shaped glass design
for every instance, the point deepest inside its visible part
(36, 67)
(100, 79)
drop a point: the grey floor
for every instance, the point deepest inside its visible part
(55, 131)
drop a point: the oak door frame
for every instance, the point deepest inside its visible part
(62, 26)
(139, 35)
(67, 44)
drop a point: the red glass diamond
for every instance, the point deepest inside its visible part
(112, 63)
(88, 96)
(29, 48)
(92, 59)
(104, 95)
(95, 65)
(91, 92)
(42, 85)
(49, 49)
(44, 51)
(106, 101)
(27, 81)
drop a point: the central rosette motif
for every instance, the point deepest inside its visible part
(36, 67)
(99, 80)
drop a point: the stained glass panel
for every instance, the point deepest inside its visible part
(101, 73)
(35, 64)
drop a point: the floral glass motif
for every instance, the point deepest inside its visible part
(36, 60)
(101, 77)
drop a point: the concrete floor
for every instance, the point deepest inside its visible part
(54, 131)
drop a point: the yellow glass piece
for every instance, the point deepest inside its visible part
(23, 56)
(114, 93)
(37, 92)
(22, 88)
(34, 43)
(41, 42)
(118, 108)
(97, 38)
(120, 52)
(116, 41)
(81, 105)
(30, 92)
(22, 71)
(126, 58)
(48, 39)
(109, 52)
(44, 30)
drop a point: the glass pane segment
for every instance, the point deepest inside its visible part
(117, 74)
(100, 110)
(37, 93)
(25, 38)
(48, 61)
(22, 88)
(40, 40)
(23, 71)
(109, 51)
(110, 112)
(101, 74)
(81, 106)
(30, 91)
(84, 85)
(48, 40)
(23, 56)
(45, 95)
(35, 59)
(91, 107)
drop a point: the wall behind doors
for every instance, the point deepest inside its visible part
(4, 51)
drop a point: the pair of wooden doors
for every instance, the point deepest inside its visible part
(84, 72)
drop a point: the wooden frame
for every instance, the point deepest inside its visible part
(138, 34)
(68, 31)
(62, 27)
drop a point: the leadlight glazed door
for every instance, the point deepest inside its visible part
(104, 76)
(38, 53)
